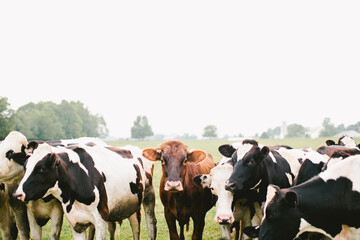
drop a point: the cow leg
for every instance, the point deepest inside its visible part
(78, 236)
(57, 216)
(35, 229)
(135, 224)
(100, 229)
(171, 222)
(225, 231)
(182, 236)
(149, 208)
(91, 232)
(112, 229)
(21, 219)
(199, 224)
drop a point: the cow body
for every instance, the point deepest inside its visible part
(328, 203)
(181, 198)
(93, 184)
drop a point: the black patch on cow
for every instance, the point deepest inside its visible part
(149, 177)
(48, 198)
(80, 227)
(308, 170)
(122, 152)
(2, 187)
(55, 143)
(42, 221)
(96, 179)
(250, 141)
(141, 162)
(103, 175)
(137, 188)
(19, 157)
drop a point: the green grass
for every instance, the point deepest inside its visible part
(211, 230)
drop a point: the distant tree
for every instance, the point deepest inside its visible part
(329, 129)
(7, 122)
(264, 135)
(141, 128)
(355, 127)
(49, 121)
(295, 130)
(210, 131)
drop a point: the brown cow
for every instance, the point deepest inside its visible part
(181, 198)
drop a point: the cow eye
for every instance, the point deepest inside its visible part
(251, 162)
(162, 161)
(41, 170)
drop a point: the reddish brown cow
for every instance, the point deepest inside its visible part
(182, 199)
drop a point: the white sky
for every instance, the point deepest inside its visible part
(244, 66)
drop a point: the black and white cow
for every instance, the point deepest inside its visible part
(255, 167)
(328, 204)
(31, 217)
(323, 157)
(93, 184)
(345, 140)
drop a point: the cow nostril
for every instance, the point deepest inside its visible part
(18, 196)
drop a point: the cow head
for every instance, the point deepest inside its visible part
(41, 174)
(12, 157)
(216, 182)
(345, 140)
(248, 168)
(174, 157)
(281, 218)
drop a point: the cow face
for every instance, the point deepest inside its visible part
(216, 182)
(248, 170)
(12, 156)
(174, 157)
(41, 174)
(281, 218)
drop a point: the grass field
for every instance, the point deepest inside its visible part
(211, 230)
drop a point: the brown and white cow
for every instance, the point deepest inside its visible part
(182, 199)
(93, 184)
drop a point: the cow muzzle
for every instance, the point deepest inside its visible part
(230, 186)
(224, 219)
(173, 186)
(19, 196)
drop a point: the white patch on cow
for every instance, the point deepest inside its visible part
(307, 227)
(271, 191)
(290, 178)
(348, 141)
(242, 150)
(349, 168)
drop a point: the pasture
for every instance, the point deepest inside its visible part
(211, 230)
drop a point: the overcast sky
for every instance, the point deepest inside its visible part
(243, 66)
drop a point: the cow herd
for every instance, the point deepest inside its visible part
(258, 191)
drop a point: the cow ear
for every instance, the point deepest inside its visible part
(330, 142)
(252, 231)
(291, 198)
(19, 158)
(151, 154)
(31, 147)
(227, 150)
(202, 180)
(196, 156)
(264, 152)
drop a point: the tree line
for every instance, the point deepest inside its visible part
(49, 121)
